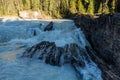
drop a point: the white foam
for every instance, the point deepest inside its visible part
(23, 41)
(5, 19)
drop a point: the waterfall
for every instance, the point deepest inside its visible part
(64, 45)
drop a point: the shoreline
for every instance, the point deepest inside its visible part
(14, 18)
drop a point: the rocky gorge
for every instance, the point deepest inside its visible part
(103, 33)
(64, 42)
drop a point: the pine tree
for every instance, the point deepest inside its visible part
(64, 7)
(59, 7)
(100, 8)
(40, 5)
(26, 4)
(51, 7)
(73, 6)
(105, 7)
(80, 7)
(113, 5)
(10, 8)
(90, 9)
(35, 4)
(1, 8)
(45, 5)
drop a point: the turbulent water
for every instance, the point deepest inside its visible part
(18, 35)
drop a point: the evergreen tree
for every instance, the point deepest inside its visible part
(59, 8)
(90, 9)
(46, 5)
(26, 4)
(105, 6)
(100, 8)
(64, 7)
(10, 8)
(80, 7)
(40, 5)
(112, 9)
(35, 4)
(73, 6)
(1, 8)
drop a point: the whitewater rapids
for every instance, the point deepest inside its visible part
(18, 35)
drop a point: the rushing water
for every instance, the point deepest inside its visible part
(17, 35)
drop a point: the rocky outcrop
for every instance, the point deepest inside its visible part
(57, 56)
(49, 27)
(103, 33)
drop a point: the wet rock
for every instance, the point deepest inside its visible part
(77, 55)
(57, 56)
(49, 27)
(103, 33)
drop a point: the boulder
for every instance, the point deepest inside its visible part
(49, 27)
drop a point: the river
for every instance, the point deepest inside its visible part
(18, 35)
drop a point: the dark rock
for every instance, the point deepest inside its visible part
(57, 56)
(34, 33)
(49, 27)
(103, 33)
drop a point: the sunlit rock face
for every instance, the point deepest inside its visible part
(29, 14)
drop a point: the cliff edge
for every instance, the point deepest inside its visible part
(103, 33)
